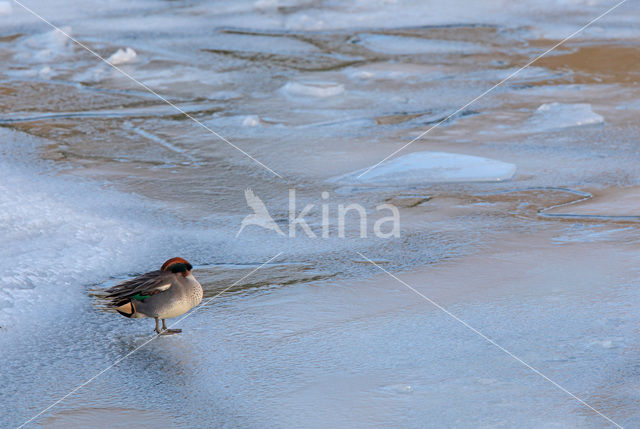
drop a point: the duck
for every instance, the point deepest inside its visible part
(162, 294)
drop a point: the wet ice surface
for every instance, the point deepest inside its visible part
(101, 181)
(363, 354)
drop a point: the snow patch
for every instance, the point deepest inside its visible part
(432, 167)
(122, 56)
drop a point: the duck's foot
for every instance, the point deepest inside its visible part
(167, 331)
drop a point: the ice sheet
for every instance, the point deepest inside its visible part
(313, 89)
(5, 8)
(554, 116)
(432, 167)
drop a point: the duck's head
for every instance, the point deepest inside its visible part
(177, 265)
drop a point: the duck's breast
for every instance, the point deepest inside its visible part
(185, 294)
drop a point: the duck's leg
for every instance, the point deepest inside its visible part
(158, 326)
(166, 331)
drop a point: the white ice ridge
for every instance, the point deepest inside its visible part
(313, 89)
(122, 56)
(432, 167)
(553, 116)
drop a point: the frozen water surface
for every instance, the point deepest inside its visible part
(553, 116)
(408, 45)
(313, 89)
(432, 167)
(101, 180)
(5, 8)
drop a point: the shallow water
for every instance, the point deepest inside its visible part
(103, 180)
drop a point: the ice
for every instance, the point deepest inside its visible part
(63, 233)
(593, 234)
(621, 203)
(122, 56)
(49, 221)
(391, 13)
(44, 54)
(45, 71)
(100, 201)
(404, 389)
(260, 43)
(5, 8)
(414, 45)
(432, 167)
(634, 105)
(554, 116)
(50, 44)
(251, 121)
(313, 89)
(263, 5)
(355, 354)
(307, 16)
(110, 418)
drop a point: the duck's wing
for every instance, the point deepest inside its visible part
(140, 287)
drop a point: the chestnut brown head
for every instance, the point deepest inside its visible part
(177, 265)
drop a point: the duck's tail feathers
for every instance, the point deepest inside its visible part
(127, 309)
